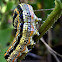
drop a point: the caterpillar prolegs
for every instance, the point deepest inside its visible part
(24, 20)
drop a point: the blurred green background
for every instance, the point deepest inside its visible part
(7, 31)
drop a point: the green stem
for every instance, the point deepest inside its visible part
(51, 19)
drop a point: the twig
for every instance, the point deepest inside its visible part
(49, 43)
(34, 55)
(23, 1)
(54, 56)
(50, 48)
(43, 9)
(54, 53)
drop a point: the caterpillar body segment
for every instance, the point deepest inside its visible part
(13, 57)
(16, 39)
(17, 52)
(24, 20)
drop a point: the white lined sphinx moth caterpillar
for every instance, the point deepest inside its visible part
(24, 21)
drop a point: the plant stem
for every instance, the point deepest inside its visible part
(51, 19)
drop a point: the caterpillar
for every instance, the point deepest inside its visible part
(24, 20)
